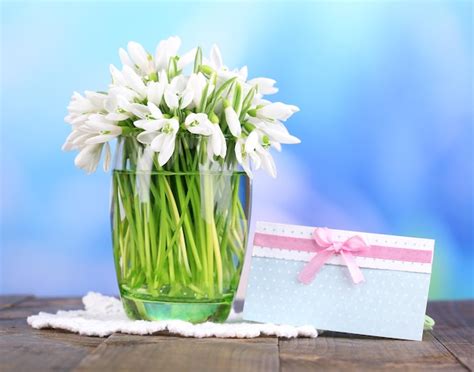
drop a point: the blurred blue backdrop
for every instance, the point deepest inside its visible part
(385, 91)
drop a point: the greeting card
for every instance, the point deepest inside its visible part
(346, 281)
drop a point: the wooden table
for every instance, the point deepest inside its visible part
(448, 347)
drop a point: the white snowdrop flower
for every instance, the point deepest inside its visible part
(76, 139)
(155, 92)
(125, 58)
(86, 115)
(215, 58)
(151, 118)
(90, 139)
(117, 107)
(164, 143)
(242, 156)
(260, 155)
(138, 59)
(222, 71)
(165, 50)
(198, 124)
(232, 119)
(177, 94)
(275, 130)
(128, 94)
(187, 58)
(89, 157)
(128, 78)
(218, 146)
(275, 111)
(251, 143)
(268, 164)
(117, 77)
(161, 140)
(101, 128)
(197, 83)
(80, 107)
(276, 145)
(264, 85)
(134, 81)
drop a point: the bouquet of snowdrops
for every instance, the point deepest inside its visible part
(154, 99)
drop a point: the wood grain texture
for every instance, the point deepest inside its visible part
(31, 306)
(23, 348)
(168, 353)
(9, 301)
(455, 328)
(448, 347)
(336, 352)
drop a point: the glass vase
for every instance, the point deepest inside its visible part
(179, 231)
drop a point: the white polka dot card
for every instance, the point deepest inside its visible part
(337, 280)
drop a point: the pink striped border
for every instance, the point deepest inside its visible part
(375, 251)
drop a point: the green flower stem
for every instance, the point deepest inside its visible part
(175, 215)
(187, 223)
(211, 229)
(178, 230)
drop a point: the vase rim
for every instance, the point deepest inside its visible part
(182, 173)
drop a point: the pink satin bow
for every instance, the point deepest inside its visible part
(323, 238)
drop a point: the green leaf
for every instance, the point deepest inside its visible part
(237, 98)
(217, 94)
(173, 68)
(197, 60)
(202, 104)
(247, 102)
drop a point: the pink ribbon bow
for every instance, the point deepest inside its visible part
(323, 238)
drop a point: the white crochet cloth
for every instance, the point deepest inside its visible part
(104, 315)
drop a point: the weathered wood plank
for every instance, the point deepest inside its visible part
(32, 306)
(449, 347)
(23, 348)
(9, 301)
(336, 352)
(169, 353)
(455, 328)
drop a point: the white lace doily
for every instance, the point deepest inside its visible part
(104, 315)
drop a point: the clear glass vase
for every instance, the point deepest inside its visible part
(179, 231)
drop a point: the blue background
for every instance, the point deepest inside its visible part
(386, 122)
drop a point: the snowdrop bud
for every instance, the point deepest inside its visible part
(172, 67)
(153, 76)
(249, 127)
(266, 141)
(214, 118)
(205, 69)
(252, 112)
(216, 58)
